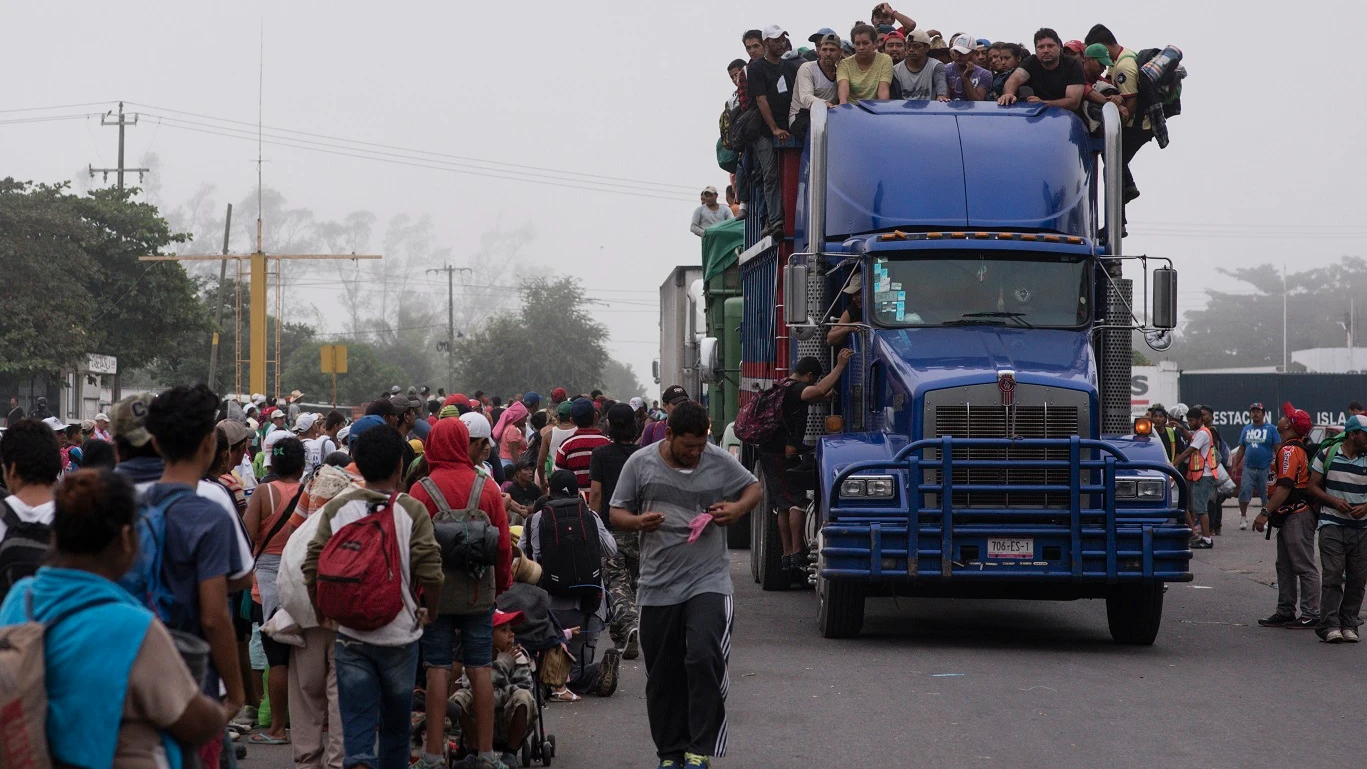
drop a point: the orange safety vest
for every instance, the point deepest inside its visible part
(1198, 463)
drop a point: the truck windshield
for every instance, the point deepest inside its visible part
(955, 288)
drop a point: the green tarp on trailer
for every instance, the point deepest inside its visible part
(721, 247)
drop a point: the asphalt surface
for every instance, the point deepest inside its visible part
(939, 683)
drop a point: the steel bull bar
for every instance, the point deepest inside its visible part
(1079, 543)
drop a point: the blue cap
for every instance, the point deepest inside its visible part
(820, 33)
(984, 41)
(583, 407)
(363, 424)
(531, 399)
(1355, 423)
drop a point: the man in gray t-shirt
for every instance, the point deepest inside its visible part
(919, 77)
(684, 592)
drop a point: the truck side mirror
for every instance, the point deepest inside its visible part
(795, 310)
(1165, 298)
(709, 363)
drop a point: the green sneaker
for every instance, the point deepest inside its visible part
(695, 761)
(668, 763)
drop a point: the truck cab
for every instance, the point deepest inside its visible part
(981, 443)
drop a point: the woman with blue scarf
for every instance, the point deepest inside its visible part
(119, 694)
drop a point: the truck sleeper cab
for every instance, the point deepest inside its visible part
(984, 446)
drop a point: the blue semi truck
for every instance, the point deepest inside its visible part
(981, 442)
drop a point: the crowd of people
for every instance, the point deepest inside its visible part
(1306, 491)
(411, 586)
(891, 57)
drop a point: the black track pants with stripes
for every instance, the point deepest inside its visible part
(686, 647)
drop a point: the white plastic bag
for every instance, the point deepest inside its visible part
(1223, 482)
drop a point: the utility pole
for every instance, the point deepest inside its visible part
(122, 121)
(218, 313)
(450, 321)
(1284, 343)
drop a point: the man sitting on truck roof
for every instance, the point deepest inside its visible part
(919, 77)
(815, 82)
(710, 213)
(1056, 80)
(771, 85)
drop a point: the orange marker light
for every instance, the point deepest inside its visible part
(1143, 426)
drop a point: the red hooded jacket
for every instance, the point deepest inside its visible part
(448, 457)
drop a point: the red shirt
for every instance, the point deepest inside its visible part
(576, 453)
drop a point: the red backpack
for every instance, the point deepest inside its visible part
(762, 418)
(360, 578)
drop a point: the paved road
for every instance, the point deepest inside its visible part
(938, 683)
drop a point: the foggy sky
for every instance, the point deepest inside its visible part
(1265, 164)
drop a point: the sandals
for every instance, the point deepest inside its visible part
(563, 695)
(261, 738)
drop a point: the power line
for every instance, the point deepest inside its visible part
(58, 106)
(464, 158)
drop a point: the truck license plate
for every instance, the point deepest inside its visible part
(1019, 547)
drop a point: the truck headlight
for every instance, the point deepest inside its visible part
(852, 487)
(878, 487)
(1141, 489)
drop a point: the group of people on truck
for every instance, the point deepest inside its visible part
(891, 57)
(1306, 491)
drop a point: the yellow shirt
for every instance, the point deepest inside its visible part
(1124, 74)
(864, 83)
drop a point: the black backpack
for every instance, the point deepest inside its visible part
(23, 549)
(571, 559)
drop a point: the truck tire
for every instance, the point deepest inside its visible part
(1134, 613)
(738, 534)
(767, 549)
(840, 613)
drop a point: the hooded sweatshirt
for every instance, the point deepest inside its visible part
(448, 458)
(516, 441)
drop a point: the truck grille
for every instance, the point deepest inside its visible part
(984, 421)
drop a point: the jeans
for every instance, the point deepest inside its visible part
(1343, 557)
(375, 687)
(1296, 565)
(1202, 492)
(1254, 483)
(766, 158)
(476, 633)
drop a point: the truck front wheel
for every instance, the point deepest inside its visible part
(841, 611)
(1134, 613)
(766, 549)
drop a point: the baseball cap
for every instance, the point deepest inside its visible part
(234, 431)
(258, 399)
(920, 36)
(637, 404)
(87, 425)
(531, 399)
(305, 422)
(819, 36)
(897, 33)
(674, 395)
(886, 29)
(278, 414)
(564, 410)
(774, 32)
(400, 404)
(394, 390)
(508, 618)
(101, 417)
(364, 423)
(272, 438)
(854, 285)
(1098, 51)
(1300, 420)
(984, 42)
(129, 419)
(559, 394)
(582, 407)
(477, 425)
(55, 423)
(621, 414)
(1355, 423)
(709, 189)
(1076, 46)
(1256, 405)
(833, 39)
(963, 44)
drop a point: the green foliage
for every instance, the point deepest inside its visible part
(1245, 329)
(367, 374)
(619, 381)
(77, 286)
(552, 341)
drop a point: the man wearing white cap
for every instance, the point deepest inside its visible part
(709, 213)
(967, 81)
(102, 428)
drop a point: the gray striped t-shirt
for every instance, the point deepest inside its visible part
(1345, 478)
(672, 570)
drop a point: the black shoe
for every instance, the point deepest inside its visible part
(1129, 194)
(1305, 623)
(775, 229)
(785, 563)
(607, 673)
(742, 213)
(1278, 620)
(1202, 544)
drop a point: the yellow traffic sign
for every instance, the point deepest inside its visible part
(334, 359)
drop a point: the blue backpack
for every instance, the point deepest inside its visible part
(144, 579)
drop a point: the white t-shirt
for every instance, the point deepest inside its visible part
(1200, 441)
(40, 514)
(316, 450)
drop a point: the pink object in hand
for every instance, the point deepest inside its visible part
(697, 525)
